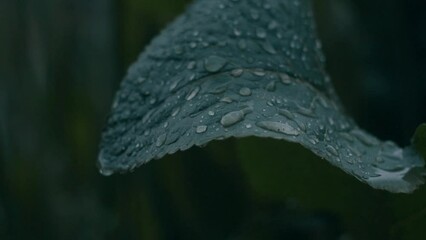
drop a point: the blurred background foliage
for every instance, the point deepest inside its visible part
(61, 62)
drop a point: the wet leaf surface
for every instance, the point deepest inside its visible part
(244, 68)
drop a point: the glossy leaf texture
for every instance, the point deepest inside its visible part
(238, 68)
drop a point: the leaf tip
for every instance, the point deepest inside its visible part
(103, 165)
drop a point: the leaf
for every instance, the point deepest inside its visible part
(243, 68)
(419, 140)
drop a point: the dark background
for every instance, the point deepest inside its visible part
(61, 62)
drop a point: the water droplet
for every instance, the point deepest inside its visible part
(347, 136)
(191, 65)
(260, 33)
(259, 72)
(318, 45)
(286, 113)
(301, 125)
(267, 46)
(308, 112)
(271, 86)
(278, 127)
(237, 72)
(254, 14)
(323, 101)
(201, 129)
(140, 80)
(106, 172)
(312, 141)
(350, 160)
(332, 150)
(174, 85)
(226, 100)
(193, 93)
(147, 116)
(147, 132)
(205, 44)
(285, 78)
(331, 121)
(237, 32)
(232, 118)
(115, 104)
(214, 63)
(245, 91)
(193, 45)
(161, 140)
(354, 150)
(272, 25)
(219, 90)
(175, 112)
(379, 159)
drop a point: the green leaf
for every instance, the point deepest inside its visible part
(419, 140)
(243, 68)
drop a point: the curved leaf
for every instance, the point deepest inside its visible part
(243, 68)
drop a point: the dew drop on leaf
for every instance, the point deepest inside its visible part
(214, 63)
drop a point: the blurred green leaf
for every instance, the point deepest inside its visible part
(419, 140)
(286, 172)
